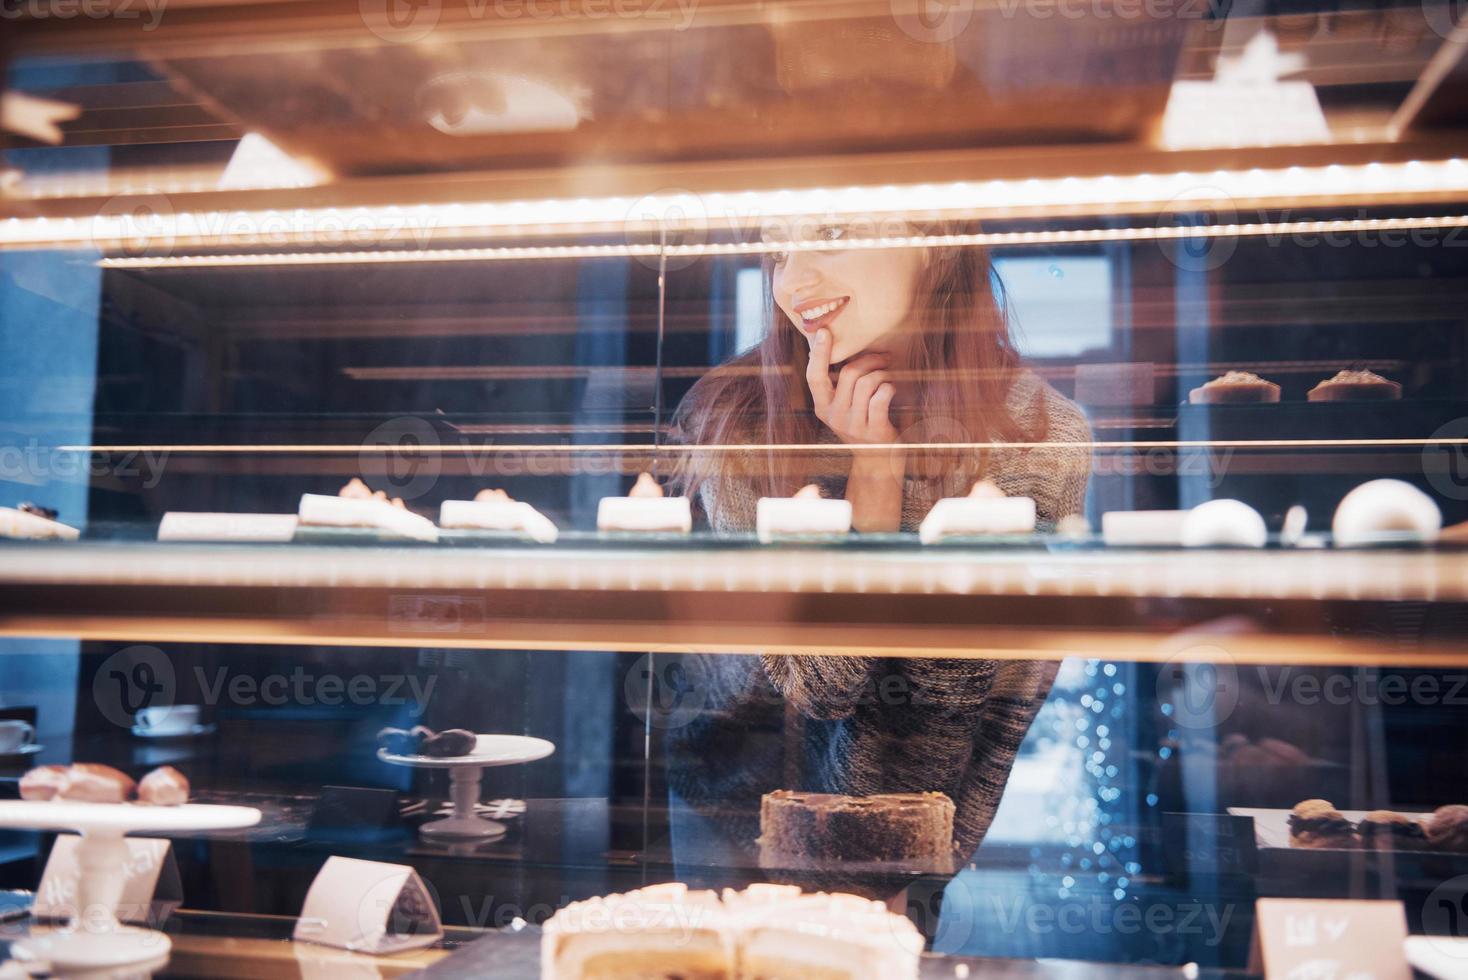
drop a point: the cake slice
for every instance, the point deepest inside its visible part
(646, 509)
(358, 507)
(660, 931)
(807, 514)
(1235, 388)
(30, 521)
(1355, 386)
(495, 510)
(786, 936)
(986, 510)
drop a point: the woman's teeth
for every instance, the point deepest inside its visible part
(816, 312)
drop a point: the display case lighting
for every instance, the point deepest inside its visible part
(150, 223)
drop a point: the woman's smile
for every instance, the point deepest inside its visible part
(815, 313)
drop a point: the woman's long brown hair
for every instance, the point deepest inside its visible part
(961, 366)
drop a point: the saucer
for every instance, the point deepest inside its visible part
(22, 751)
(193, 731)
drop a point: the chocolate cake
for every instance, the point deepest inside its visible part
(1233, 388)
(1386, 830)
(1355, 386)
(1318, 824)
(913, 831)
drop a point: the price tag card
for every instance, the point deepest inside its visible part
(368, 907)
(152, 889)
(1343, 939)
(1210, 844)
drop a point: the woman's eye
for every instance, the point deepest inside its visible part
(831, 233)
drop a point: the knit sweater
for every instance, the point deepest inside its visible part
(864, 725)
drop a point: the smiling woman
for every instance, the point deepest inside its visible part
(883, 348)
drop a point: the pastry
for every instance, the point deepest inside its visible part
(495, 510)
(1317, 824)
(1235, 388)
(48, 513)
(1224, 523)
(806, 514)
(1383, 512)
(1355, 386)
(450, 743)
(88, 782)
(986, 510)
(358, 507)
(164, 786)
(765, 931)
(1143, 528)
(25, 522)
(397, 741)
(645, 508)
(1389, 831)
(178, 525)
(42, 783)
(1447, 829)
(821, 830)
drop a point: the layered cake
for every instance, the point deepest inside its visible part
(1235, 388)
(1318, 824)
(497, 511)
(910, 831)
(357, 506)
(986, 510)
(1383, 511)
(1356, 386)
(1387, 830)
(646, 509)
(770, 932)
(807, 514)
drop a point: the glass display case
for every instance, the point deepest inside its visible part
(627, 470)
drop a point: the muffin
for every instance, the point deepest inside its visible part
(1235, 388)
(1356, 386)
(1386, 830)
(1447, 829)
(1318, 824)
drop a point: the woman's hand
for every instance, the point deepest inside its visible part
(857, 406)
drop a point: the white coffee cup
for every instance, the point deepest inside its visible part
(168, 719)
(16, 735)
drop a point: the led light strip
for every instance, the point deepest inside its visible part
(149, 221)
(423, 449)
(984, 239)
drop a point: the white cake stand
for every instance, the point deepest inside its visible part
(465, 772)
(95, 940)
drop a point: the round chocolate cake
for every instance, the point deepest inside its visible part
(910, 831)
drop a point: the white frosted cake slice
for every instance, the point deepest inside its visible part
(180, 525)
(1143, 528)
(660, 931)
(357, 506)
(645, 509)
(826, 936)
(986, 510)
(806, 514)
(27, 522)
(495, 510)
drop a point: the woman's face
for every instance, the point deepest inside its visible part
(864, 297)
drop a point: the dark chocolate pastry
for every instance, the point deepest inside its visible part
(1318, 824)
(1386, 830)
(29, 508)
(1447, 829)
(448, 744)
